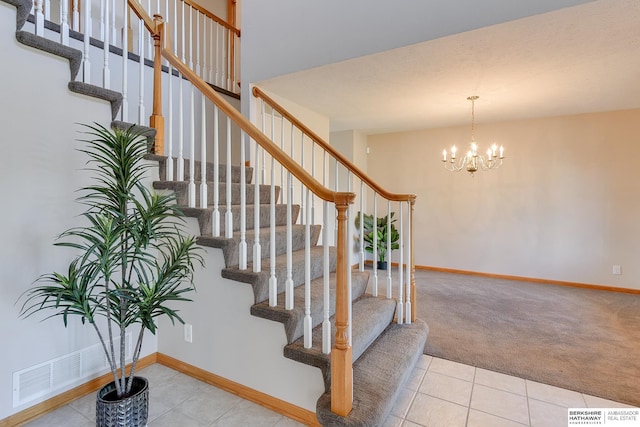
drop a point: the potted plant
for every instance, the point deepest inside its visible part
(385, 232)
(133, 261)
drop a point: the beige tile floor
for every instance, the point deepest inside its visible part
(439, 393)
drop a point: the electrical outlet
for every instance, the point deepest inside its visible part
(188, 332)
(616, 270)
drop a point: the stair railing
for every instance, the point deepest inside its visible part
(346, 174)
(215, 124)
(202, 38)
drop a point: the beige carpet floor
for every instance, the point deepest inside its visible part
(580, 339)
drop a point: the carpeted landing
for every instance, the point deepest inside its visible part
(579, 339)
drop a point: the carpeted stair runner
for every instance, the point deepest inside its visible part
(384, 352)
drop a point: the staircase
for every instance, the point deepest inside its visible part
(383, 351)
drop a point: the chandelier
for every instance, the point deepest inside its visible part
(473, 161)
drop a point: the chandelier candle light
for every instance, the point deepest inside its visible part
(472, 160)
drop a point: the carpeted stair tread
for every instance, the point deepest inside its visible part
(146, 131)
(115, 98)
(260, 281)
(203, 215)
(378, 376)
(230, 247)
(370, 315)
(293, 320)
(181, 188)
(236, 172)
(23, 9)
(41, 43)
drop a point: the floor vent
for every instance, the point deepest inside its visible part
(48, 377)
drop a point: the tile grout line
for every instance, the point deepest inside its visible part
(473, 386)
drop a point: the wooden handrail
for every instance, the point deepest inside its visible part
(142, 14)
(258, 93)
(212, 16)
(280, 156)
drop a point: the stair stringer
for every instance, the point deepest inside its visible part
(230, 342)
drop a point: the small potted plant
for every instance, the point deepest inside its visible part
(383, 233)
(133, 260)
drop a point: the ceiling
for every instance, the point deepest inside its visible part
(575, 60)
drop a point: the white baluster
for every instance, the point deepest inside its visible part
(326, 323)
(198, 37)
(389, 280)
(243, 204)
(407, 308)
(106, 73)
(303, 206)
(203, 154)
(39, 17)
(180, 161)
(215, 215)
(400, 309)
(288, 285)
(190, 29)
(257, 249)
(64, 22)
(362, 226)
(212, 54)
(86, 65)
(192, 149)
(282, 189)
(141, 115)
(75, 17)
(218, 49)
(308, 324)
(349, 262)
(124, 115)
(375, 243)
(228, 221)
(229, 86)
(102, 19)
(313, 174)
(273, 281)
(47, 10)
(204, 47)
(182, 38)
(114, 32)
(169, 161)
(223, 58)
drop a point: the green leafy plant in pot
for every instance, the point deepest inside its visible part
(385, 233)
(133, 262)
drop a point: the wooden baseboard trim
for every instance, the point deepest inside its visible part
(520, 278)
(532, 279)
(280, 406)
(68, 396)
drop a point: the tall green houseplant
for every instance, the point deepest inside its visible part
(133, 260)
(385, 233)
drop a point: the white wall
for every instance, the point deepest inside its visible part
(40, 173)
(564, 206)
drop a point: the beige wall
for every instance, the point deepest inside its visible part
(564, 206)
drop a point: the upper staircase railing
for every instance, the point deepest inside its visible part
(208, 43)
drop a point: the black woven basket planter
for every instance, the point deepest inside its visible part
(131, 411)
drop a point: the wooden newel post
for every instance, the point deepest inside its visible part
(156, 120)
(341, 356)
